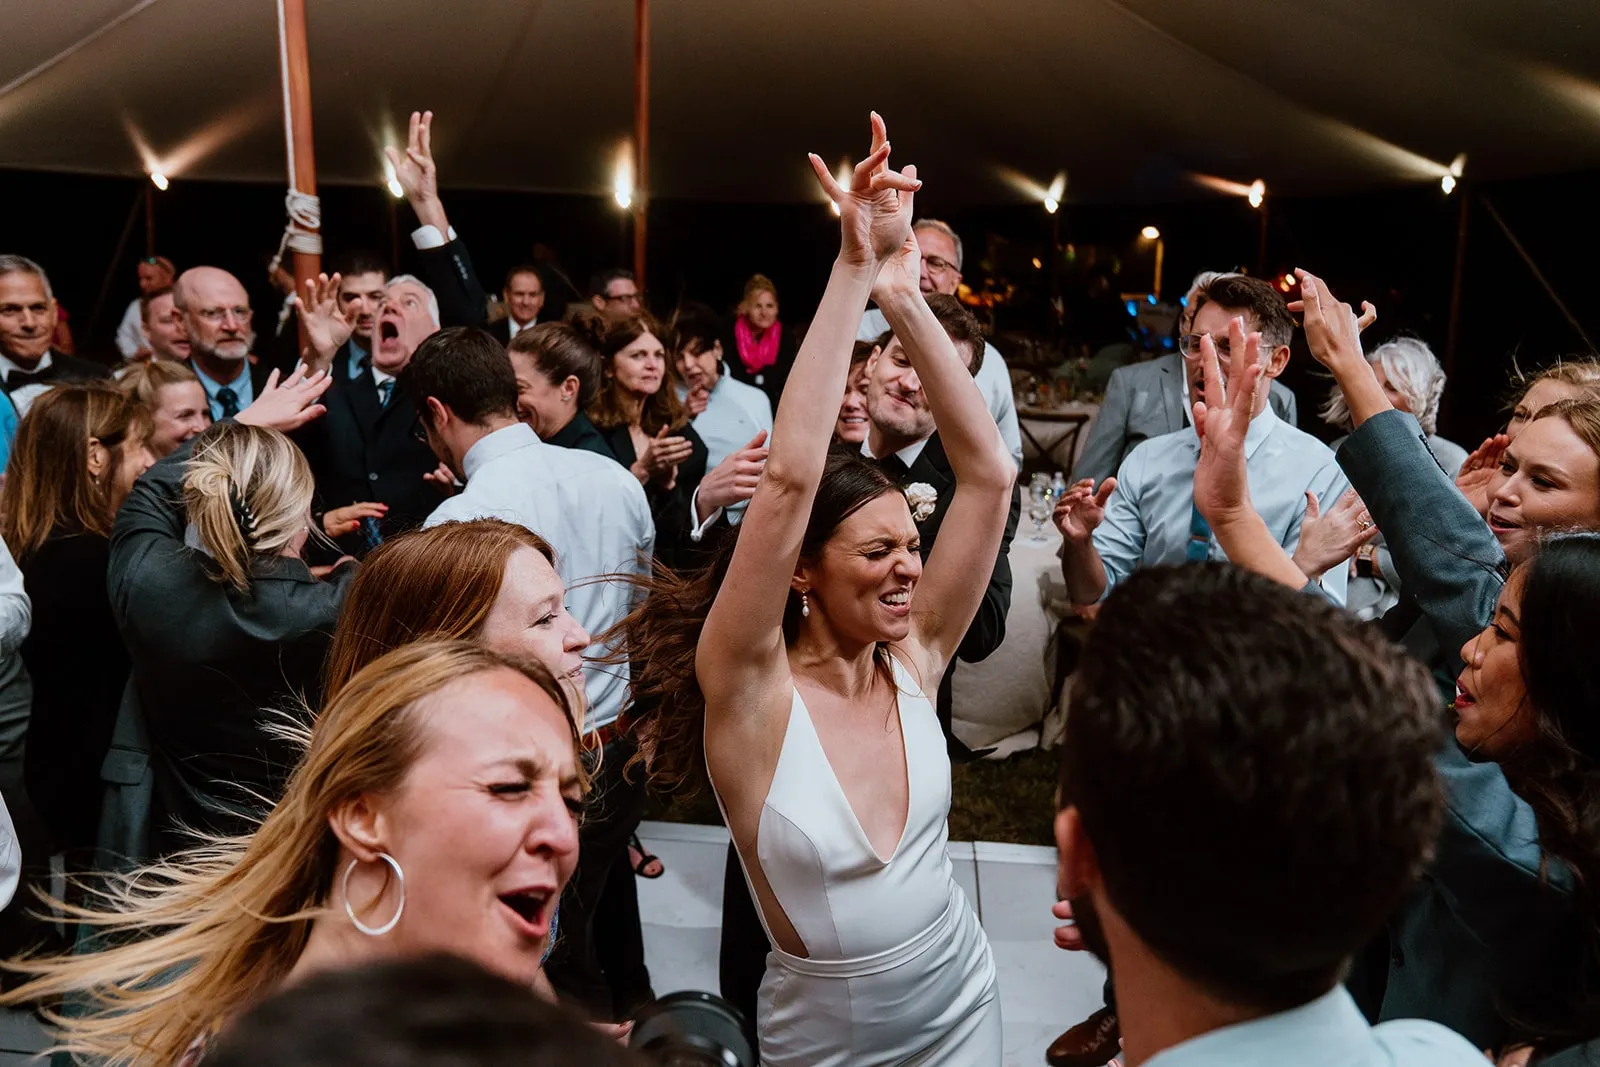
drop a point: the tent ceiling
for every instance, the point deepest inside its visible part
(1132, 98)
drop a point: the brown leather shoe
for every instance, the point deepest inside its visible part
(1092, 1043)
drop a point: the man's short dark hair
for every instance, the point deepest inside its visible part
(525, 268)
(433, 1011)
(1254, 769)
(603, 279)
(360, 261)
(1262, 304)
(146, 299)
(961, 324)
(467, 371)
(695, 324)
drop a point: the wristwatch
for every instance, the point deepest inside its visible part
(1367, 561)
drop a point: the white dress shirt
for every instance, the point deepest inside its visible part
(734, 413)
(591, 510)
(1148, 517)
(23, 396)
(130, 333)
(994, 378)
(1327, 1032)
(907, 455)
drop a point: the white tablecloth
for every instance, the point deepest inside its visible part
(1056, 434)
(1010, 691)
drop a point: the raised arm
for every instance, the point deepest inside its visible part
(969, 539)
(742, 645)
(443, 260)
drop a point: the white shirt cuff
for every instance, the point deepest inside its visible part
(700, 529)
(428, 236)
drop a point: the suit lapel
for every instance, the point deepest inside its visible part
(933, 468)
(1172, 393)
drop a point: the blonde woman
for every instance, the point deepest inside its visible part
(762, 351)
(220, 616)
(433, 810)
(172, 401)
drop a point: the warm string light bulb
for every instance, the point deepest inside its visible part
(1150, 233)
(622, 178)
(159, 180)
(1257, 193)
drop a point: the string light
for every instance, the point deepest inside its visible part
(1257, 193)
(1053, 195)
(1458, 167)
(159, 180)
(622, 181)
(1150, 233)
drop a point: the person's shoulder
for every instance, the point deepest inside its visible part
(74, 367)
(1423, 1043)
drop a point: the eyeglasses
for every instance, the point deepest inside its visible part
(1189, 345)
(215, 316)
(622, 298)
(936, 265)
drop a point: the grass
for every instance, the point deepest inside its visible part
(1010, 800)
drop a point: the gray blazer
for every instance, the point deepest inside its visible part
(1494, 917)
(1146, 400)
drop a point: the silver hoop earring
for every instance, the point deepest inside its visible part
(805, 607)
(344, 891)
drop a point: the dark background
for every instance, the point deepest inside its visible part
(1395, 247)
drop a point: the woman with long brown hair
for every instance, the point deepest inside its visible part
(76, 455)
(794, 672)
(496, 582)
(638, 412)
(433, 810)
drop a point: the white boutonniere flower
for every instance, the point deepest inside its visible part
(923, 498)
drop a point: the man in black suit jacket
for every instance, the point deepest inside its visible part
(903, 438)
(28, 317)
(523, 297)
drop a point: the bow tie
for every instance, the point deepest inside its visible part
(894, 467)
(18, 378)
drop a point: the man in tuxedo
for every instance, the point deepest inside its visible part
(1145, 400)
(523, 296)
(28, 317)
(903, 438)
(216, 314)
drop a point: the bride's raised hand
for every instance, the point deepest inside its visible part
(875, 212)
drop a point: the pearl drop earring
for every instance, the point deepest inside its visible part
(805, 607)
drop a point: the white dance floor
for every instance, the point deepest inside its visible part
(1042, 989)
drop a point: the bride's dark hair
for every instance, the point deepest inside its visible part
(660, 636)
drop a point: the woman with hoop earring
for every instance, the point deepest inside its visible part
(435, 810)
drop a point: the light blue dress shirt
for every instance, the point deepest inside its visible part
(1147, 519)
(735, 412)
(594, 514)
(1327, 1032)
(244, 390)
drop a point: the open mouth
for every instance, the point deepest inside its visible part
(1464, 699)
(388, 330)
(1498, 523)
(530, 908)
(898, 602)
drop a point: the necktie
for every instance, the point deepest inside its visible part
(1199, 549)
(18, 378)
(385, 391)
(229, 401)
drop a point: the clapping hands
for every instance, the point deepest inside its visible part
(734, 480)
(660, 458)
(875, 212)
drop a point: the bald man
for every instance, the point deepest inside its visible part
(216, 313)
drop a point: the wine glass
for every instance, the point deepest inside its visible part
(1041, 505)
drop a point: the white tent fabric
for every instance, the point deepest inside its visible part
(1133, 98)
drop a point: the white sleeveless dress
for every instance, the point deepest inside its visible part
(899, 970)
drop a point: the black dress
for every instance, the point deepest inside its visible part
(673, 508)
(581, 433)
(79, 667)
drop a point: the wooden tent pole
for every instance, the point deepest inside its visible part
(303, 163)
(641, 135)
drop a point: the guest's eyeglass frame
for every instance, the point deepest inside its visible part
(217, 316)
(940, 265)
(1189, 346)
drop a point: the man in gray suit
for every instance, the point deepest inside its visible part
(1149, 399)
